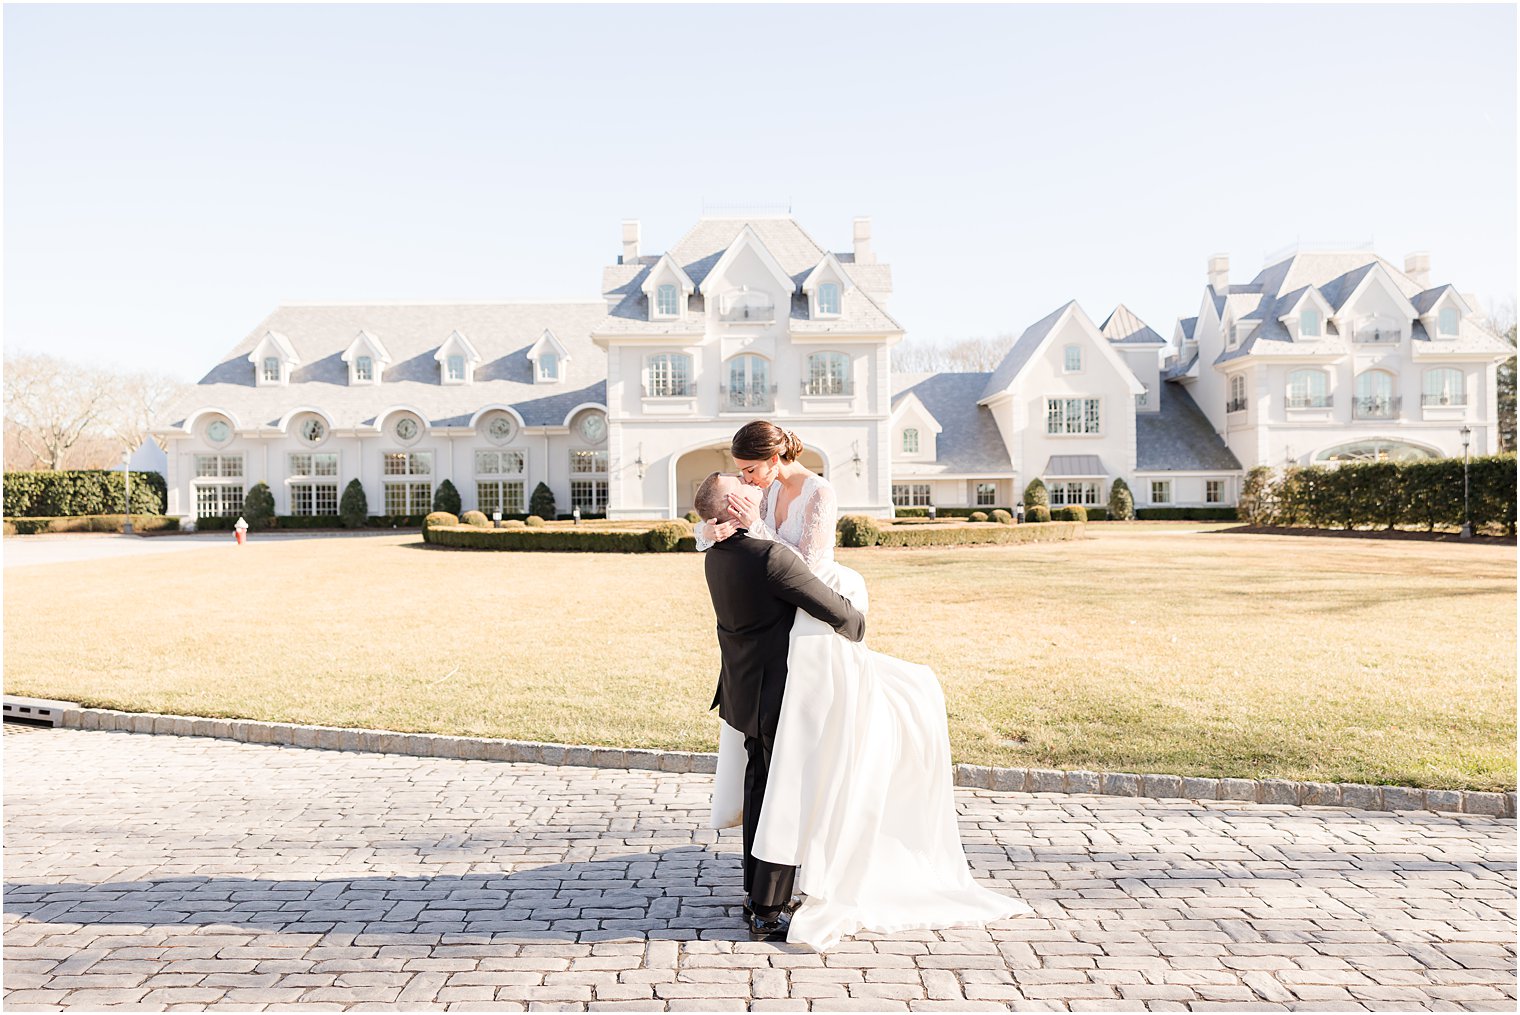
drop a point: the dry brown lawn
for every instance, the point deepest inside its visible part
(1198, 653)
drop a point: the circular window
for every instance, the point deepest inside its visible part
(406, 428)
(313, 431)
(501, 429)
(594, 427)
(219, 431)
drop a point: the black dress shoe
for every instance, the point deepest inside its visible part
(772, 929)
(788, 909)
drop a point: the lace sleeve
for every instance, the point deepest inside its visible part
(703, 532)
(819, 517)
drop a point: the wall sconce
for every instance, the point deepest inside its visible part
(856, 461)
(638, 462)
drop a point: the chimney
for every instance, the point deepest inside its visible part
(863, 254)
(630, 242)
(1417, 267)
(1219, 272)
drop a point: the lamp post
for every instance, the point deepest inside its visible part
(126, 475)
(1466, 433)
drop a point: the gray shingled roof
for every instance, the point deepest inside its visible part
(1074, 465)
(1021, 351)
(412, 332)
(1124, 327)
(1189, 325)
(969, 441)
(1179, 437)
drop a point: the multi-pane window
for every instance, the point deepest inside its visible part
(910, 494)
(748, 383)
(499, 463)
(271, 368)
(1161, 491)
(1444, 386)
(218, 485)
(1073, 360)
(1213, 491)
(408, 496)
(455, 366)
(1446, 321)
(548, 367)
(1308, 389)
(1374, 395)
(583, 462)
(986, 494)
(1309, 323)
(364, 369)
(828, 373)
(828, 298)
(1064, 492)
(665, 301)
(910, 441)
(505, 495)
(590, 495)
(1237, 393)
(1073, 416)
(669, 375)
(308, 495)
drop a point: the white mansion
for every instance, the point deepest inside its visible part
(624, 402)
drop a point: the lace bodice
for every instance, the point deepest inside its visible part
(808, 527)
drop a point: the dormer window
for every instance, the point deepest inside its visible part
(828, 299)
(1446, 322)
(1309, 324)
(366, 357)
(364, 369)
(272, 369)
(457, 360)
(665, 301)
(910, 441)
(1073, 360)
(456, 368)
(548, 367)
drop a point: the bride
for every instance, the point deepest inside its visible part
(860, 794)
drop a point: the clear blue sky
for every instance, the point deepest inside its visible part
(172, 173)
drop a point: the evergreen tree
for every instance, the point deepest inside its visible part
(542, 502)
(1121, 503)
(258, 506)
(354, 507)
(446, 498)
(1035, 495)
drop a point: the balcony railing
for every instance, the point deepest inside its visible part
(754, 396)
(1456, 401)
(1236, 405)
(842, 388)
(1311, 401)
(1376, 335)
(678, 389)
(747, 314)
(1378, 407)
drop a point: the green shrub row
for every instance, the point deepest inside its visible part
(1186, 514)
(80, 492)
(1386, 495)
(226, 523)
(960, 535)
(89, 523)
(662, 537)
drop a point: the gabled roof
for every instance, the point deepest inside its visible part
(456, 343)
(1187, 325)
(1373, 274)
(1178, 437)
(666, 265)
(747, 239)
(1291, 304)
(910, 400)
(968, 440)
(829, 265)
(274, 344)
(364, 343)
(1034, 340)
(1426, 301)
(1124, 327)
(547, 342)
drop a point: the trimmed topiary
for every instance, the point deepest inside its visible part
(534, 521)
(258, 506)
(1072, 513)
(476, 518)
(514, 523)
(693, 517)
(978, 516)
(446, 498)
(1002, 517)
(436, 519)
(542, 502)
(1038, 513)
(664, 537)
(1121, 503)
(858, 530)
(354, 507)
(1035, 495)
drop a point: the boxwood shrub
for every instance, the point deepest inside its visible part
(978, 516)
(1070, 513)
(534, 522)
(574, 540)
(435, 520)
(77, 492)
(1037, 514)
(1186, 514)
(858, 530)
(90, 523)
(910, 512)
(962, 535)
(1002, 517)
(475, 518)
(664, 537)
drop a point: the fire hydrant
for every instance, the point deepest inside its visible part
(241, 528)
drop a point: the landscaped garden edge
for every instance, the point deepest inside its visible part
(1004, 780)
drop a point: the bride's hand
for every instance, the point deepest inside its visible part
(720, 531)
(745, 511)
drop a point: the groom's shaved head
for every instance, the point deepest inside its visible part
(712, 496)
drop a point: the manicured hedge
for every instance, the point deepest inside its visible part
(575, 540)
(1385, 495)
(1186, 514)
(80, 492)
(90, 523)
(967, 535)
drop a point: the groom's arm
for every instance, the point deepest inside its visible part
(790, 580)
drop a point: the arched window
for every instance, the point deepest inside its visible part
(828, 373)
(748, 383)
(669, 376)
(1444, 386)
(665, 301)
(1308, 389)
(456, 368)
(910, 441)
(1446, 322)
(1374, 395)
(1375, 449)
(1309, 323)
(548, 367)
(748, 305)
(271, 368)
(364, 369)
(828, 298)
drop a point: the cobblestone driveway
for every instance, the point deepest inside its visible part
(184, 873)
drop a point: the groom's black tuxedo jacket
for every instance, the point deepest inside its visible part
(757, 586)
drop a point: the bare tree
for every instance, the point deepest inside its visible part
(963, 355)
(138, 401)
(51, 405)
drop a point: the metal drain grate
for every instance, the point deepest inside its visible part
(35, 711)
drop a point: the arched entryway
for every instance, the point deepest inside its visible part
(694, 466)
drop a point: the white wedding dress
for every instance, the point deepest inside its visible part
(860, 795)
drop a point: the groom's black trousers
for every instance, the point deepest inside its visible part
(768, 885)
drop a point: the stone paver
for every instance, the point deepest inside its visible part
(180, 873)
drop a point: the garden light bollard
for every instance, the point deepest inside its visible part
(495, 519)
(575, 513)
(126, 475)
(1466, 433)
(241, 530)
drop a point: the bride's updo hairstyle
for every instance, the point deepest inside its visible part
(757, 441)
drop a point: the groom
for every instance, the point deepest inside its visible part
(757, 587)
